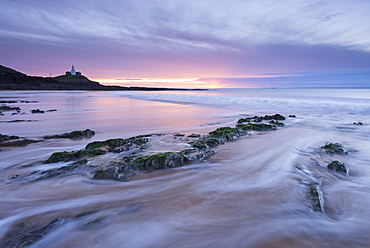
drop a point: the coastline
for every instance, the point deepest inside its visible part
(13, 80)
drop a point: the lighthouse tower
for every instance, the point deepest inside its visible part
(73, 72)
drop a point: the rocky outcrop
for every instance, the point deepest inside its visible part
(124, 158)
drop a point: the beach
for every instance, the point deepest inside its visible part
(253, 192)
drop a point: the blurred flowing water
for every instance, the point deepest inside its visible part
(249, 194)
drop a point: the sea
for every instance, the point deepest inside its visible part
(254, 192)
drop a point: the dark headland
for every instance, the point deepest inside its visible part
(14, 80)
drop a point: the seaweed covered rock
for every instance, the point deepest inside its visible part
(332, 148)
(338, 166)
(227, 133)
(217, 137)
(118, 145)
(71, 135)
(74, 155)
(276, 117)
(158, 161)
(256, 127)
(131, 166)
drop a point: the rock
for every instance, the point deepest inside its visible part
(4, 137)
(315, 197)
(157, 161)
(256, 127)
(37, 111)
(276, 117)
(195, 154)
(179, 135)
(115, 173)
(20, 142)
(9, 141)
(7, 108)
(25, 234)
(118, 145)
(292, 116)
(193, 135)
(338, 166)
(358, 123)
(131, 166)
(277, 123)
(57, 172)
(73, 134)
(217, 137)
(332, 148)
(74, 155)
(224, 134)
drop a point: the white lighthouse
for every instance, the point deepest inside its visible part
(73, 72)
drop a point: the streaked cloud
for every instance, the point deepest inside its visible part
(159, 38)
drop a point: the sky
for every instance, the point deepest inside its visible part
(191, 44)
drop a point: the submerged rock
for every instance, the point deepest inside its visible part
(25, 234)
(7, 108)
(73, 134)
(10, 141)
(4, 137)
(332, 148)
(338, 166)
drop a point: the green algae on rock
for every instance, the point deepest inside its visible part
(131, 166)
(338, 166)
(332, 148)
(276, 117)
(74, 155)
(73, 134)
(118, 145)
(256, 127)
